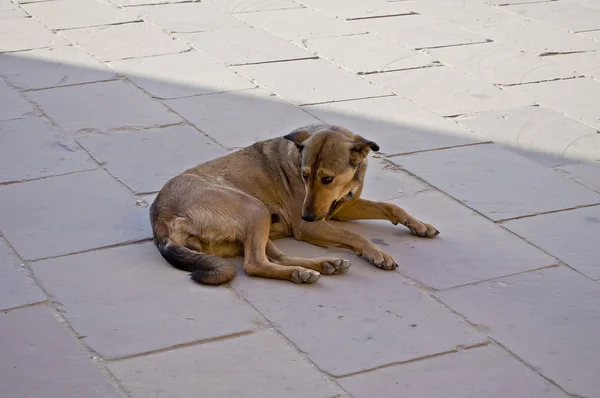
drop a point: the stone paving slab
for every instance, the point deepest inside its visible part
(26, 34)
(12, 104)
(418, 31)
(384, 182)
(575, 98)
(129, 300)
(310, 81)
(101, 108)
(33, 148)
(9, 10)
(299, 24)
(146, 160)
(536, 129)
(480, 372)
(52, 67)
(241, 6)
(503, 26)
(396, 124)
(574, 242)
(16, 286)
(546, 317)
(132, 40)
(496, 182)
(129, 3)
(176, 75)
(245, 46)
(40, 360)
(585, 174)
(447, 91)
(260, 365)
(584, 63)
(99, 212)
(361, 320)
(368, 53)
(564, 14)
(593, 34)
(359, 9)
(469, 249)
(69, 14)
(501, 64)
(241, 118)
(187, 17)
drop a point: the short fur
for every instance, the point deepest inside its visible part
(283, 187)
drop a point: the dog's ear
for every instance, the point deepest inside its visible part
(360, 148)
(298, 136)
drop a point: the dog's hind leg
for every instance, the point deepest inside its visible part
(256, 261)
(325, 265)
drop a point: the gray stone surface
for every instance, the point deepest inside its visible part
(12, 104)
(506, 27)
(417, 31)
(469, 248)
(181, 75)
(545, 317)
(69, 14)
(384, 181)
(187, 17)
(241, 118)
(496, 182)
(70, 213)
(129, 3)
(310, 81)
(240, 6)
(396, 124)
(100, 291)
(501, 64)
(481, 372)
(564, 14)
(583, 63)
(537, 129)
(357, 9)
(132, 40)
(358, 321)
(33, 148)
(284, 374)
(585, 174)
(102, 107)
(25, 34)
(299, 24)
(16, 286)
(245, 46)
(575, 98)
(146, 160)
(569, 235)
(40, 360)
(52, 67)
(9, 10)
(368, 53)
(447, 91)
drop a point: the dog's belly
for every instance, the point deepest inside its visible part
(280, 227)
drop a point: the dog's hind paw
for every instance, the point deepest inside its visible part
(336, 266)
(303, 275)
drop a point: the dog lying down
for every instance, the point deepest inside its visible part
(240, 203)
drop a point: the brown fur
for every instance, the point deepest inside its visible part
(239, 203)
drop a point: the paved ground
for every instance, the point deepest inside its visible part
(487, 115)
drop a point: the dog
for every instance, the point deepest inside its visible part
(289, 186)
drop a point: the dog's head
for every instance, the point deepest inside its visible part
(331, 162)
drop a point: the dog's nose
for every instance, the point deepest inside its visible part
(310, 217)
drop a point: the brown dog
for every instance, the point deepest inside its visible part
(290, 186)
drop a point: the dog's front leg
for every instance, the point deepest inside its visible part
(322, 233)
(362, 209)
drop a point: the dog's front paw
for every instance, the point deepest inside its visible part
(304, 275)
(419, 228)
(380, 259)
(335, 266)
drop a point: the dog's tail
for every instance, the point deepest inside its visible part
(205, 268)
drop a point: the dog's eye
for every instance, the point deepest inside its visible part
(326, 180)
(305, 177)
